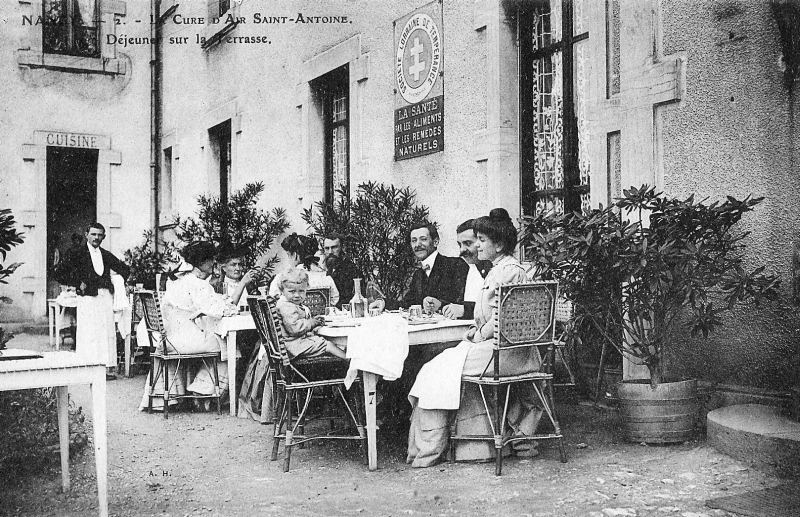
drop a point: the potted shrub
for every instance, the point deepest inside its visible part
(146, 260)
(634, 279)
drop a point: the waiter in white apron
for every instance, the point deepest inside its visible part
(88, 269)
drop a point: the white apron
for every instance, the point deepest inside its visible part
(95, 337)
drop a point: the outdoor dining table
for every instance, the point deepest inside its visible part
(228, 328)
(442, 333)
(22, 370)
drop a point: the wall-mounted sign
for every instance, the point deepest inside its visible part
(65, 139)
(419, 99)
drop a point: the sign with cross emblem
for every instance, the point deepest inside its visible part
(419, 93)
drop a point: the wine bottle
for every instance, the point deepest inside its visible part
(358, 304)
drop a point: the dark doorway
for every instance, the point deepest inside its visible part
(71, 203)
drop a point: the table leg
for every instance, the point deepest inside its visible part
(59, 317)
(128, 355)
(100, 450)
(231, 342)
(51, 324)
(370, 392)
(62, 399)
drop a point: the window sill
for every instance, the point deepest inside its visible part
(90, 65)
(166, 220)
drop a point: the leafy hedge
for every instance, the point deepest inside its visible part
(29, 436)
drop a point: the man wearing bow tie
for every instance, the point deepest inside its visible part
(440, 280)
(88, 269)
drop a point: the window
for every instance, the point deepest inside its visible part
(334, 92)
(554, 148)
(71, 27)
(224, 5)
(165, 183)
(220, 138)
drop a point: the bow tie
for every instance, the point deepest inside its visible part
(426, 267)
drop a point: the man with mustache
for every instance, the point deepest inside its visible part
(88, 269)
(440, 280)
(468, 246)
(339, 267)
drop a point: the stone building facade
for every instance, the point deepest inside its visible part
(546, 104)
(74, 133)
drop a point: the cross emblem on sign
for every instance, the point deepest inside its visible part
(418, 66)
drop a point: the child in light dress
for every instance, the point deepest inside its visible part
(298, 324)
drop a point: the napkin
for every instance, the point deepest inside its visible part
(379, 345)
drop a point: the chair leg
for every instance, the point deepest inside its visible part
(287, 444)
(277, 425)
(498, 438)
(153, 381)
(301, 418)
(166, 388)
(561, 449)
(217, 390)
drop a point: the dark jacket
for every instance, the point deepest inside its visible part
(469, 307)
(446, 282)
(343, 274)
(78, 269)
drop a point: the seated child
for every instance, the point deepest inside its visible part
(298, 325)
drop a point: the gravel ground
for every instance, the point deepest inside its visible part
(204, 464)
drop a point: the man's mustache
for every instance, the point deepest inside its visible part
(467, 254)
(420, 248)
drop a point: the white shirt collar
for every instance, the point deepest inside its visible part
(429, 260)
(97, 259)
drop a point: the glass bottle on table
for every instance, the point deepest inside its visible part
(358, 304)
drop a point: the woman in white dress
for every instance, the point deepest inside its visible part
(192, 311)
(302, 251)
(436, 393)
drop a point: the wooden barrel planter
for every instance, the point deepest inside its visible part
(666, 414)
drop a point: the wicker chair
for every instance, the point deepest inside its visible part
(525, 318)
(295, 382)
(151, 303)
(318, 299)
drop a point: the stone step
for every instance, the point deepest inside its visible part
(760, 436)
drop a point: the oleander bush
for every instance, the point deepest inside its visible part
(375, 226)
(239, 223)
(146, 260)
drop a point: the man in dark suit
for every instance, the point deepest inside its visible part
(88, 269)
(439, 280)
(478, 269)
(340, 267)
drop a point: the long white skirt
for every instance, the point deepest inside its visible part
(96, 337)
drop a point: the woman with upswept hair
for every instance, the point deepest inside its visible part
(436, 393)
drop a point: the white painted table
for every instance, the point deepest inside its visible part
(60, 370)
(228, 328)
(441, 333)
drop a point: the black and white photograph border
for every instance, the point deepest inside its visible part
(165, 165)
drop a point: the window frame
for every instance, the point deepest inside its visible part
(69, 28)
(572, 188)
(328, 85)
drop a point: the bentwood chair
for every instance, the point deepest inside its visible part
(296, 380)
(525, 319)
(317, 299)
(151, 304)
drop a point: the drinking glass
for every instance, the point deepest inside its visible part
(415, 312)
(373, 312)
(346, 310)
(330, 313)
